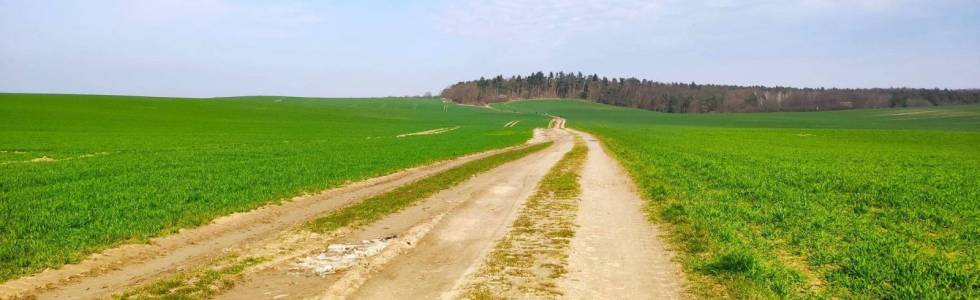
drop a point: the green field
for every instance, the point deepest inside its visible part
(81, 173)
(846, 204)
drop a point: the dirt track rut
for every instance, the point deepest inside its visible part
(463, 222)
(616, 253)
(457, 246)
(116, 269)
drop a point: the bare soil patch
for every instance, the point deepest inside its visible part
(616, 253)
(429, 132)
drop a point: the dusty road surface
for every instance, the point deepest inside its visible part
(616, 253)
(458, 245)
(436, 242)
(116, 269)
(425, 251)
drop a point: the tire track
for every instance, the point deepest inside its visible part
(616, 253)
(116, 269)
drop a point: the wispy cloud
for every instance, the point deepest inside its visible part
(546, 17)
(558, 23)
(515, 18)
(263, 18)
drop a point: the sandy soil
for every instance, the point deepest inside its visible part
(616, 253)
(456, 247)
(532, 257)
(435, 242)
(129, 265)
(538, 136)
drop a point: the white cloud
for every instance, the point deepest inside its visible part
(541, 17)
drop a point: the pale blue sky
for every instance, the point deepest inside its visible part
(379, 48)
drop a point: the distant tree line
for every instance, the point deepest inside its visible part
(695, 98)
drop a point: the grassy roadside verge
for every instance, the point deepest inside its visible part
(867, 204)
(221, 274)
(376, 207)
(534, 254)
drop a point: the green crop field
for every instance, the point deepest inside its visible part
(81, 173)
(847, 204)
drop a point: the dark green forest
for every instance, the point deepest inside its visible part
(693, 97)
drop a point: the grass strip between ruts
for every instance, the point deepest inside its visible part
(533, 256)
(204, 283)
(374, 208)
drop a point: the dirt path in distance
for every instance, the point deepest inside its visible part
(616, 252)
(556, 122)
(116, 269)
(429, 132)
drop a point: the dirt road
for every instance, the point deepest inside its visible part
(446, 236)
(425, 251)
(115, 269)
(616, 253)
(556, 122)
